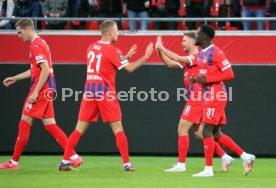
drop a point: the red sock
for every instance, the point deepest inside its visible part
(122, 145)
(22, 139)
(209, 145)
(58, 134)
(230, 144)
(72, 142)
(218, 150)
(183, 148)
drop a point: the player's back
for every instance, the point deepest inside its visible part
(102, 61)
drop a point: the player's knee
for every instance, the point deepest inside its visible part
(182, 129)
(216, 136)
(207, 131)
(198, 135)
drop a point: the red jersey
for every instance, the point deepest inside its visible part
(215, 62)
(194, 91)
(40, 52)
(103, 59)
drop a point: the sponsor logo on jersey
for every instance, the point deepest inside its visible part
(202, 71)
(122, 58)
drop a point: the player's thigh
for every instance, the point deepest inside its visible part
(217, 132)
(48, 121)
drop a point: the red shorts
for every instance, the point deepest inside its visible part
(42, 108)
(213, 113)
(110, 111)
(192, 112)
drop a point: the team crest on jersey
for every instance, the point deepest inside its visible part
(28, 106)
(122, 58)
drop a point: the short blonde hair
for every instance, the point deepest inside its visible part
(190, 34)
(24, 23)
(106, 25)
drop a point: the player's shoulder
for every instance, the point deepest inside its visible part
(38, 43)
(217, 50)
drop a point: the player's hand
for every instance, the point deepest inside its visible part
(149, 50)
(158, 41)
(132, 51)
(201, 79)
(33, 98)
(192, 79)
(9, 81)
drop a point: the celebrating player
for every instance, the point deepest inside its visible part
(100, 91)
(192, 112)
(38, 104)
(215, 97)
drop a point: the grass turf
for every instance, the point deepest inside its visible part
(107, 171)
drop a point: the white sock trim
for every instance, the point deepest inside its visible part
(14, 162)
(127, 164)
(208, 168)
(74, 157)
(65, 162)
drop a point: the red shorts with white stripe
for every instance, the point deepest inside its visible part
(214, 112)
(42, 108)
(192, 112)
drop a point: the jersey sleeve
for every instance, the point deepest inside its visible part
(221, 61)
(118, 59)
(193, 59)
(38, 54)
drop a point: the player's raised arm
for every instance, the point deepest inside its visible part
(11, 80)
(131, 52)
(45, 71)
(172, 55)
(167, 61)
(135, 65)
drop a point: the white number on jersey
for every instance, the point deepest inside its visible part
(210, 112)
(91, 57)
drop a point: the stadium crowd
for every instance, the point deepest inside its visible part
(140, 9)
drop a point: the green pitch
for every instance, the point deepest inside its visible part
(107, 172)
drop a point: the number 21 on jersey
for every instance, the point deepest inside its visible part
(94, 62)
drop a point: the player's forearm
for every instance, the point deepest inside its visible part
(168, 62)
(135, 65)
(228, 74)
(170, 54)
(42, 79)
(23, 75)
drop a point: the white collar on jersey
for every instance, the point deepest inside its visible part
(205, 49)
(104, 42)
(34, 39)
